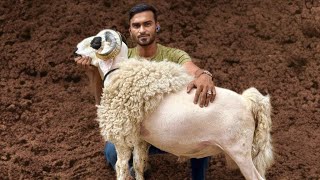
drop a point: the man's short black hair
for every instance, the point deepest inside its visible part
(141, 8)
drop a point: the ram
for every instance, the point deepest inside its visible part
(146, 103)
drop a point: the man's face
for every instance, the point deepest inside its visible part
(143, 28)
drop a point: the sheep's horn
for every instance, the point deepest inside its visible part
(113, 39)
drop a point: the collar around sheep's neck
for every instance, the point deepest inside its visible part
(109, 72)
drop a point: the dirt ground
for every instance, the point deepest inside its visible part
(48, 128)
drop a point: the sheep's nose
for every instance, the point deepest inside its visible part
(96, 43)
(75, 52)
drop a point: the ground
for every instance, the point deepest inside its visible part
(48, 128)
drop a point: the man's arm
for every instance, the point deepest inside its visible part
(95, 81)
(203, 82)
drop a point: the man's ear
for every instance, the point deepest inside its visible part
(157, 27)
(130, 32)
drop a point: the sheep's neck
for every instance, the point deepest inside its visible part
(105, 66)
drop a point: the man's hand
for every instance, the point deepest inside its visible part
(85, 62)
(205, 90)
(95, 81)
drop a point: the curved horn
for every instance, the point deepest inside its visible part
(113, 43)
(110, 45)
(114, 40)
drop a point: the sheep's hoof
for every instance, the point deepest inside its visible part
(146, 173)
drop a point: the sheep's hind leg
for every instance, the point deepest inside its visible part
(124, 155)
(241, 154)
(230, 162)
(140, 157)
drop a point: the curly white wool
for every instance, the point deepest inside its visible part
(131, 96)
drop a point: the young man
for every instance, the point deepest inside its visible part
(143, 30)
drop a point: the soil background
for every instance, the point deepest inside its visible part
(47, 115)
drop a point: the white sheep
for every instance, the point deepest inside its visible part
(146, 103)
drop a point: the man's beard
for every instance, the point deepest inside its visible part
(147, 42)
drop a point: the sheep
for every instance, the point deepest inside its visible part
(146, 103)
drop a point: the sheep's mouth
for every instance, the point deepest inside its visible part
(75, 54)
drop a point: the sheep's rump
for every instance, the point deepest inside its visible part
(136, 90)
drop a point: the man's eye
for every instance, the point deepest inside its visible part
(135, 26)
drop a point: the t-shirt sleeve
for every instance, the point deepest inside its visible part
(178, 56)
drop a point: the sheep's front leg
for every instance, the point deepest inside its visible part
(124, 155)
(140, 157)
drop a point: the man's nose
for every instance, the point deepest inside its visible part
(142, 29)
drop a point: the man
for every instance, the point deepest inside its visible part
(143, 29)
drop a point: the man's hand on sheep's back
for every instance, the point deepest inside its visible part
(205, 90)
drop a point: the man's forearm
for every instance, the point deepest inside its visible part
(95, 83)
(191, 68)
(194, 70)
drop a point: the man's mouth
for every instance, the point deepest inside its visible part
(143, 36)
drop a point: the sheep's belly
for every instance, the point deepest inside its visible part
(180, 127)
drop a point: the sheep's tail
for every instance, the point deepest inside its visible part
(260, 106)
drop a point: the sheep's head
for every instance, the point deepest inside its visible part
(106, 45)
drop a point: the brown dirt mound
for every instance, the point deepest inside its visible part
(48, 128)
